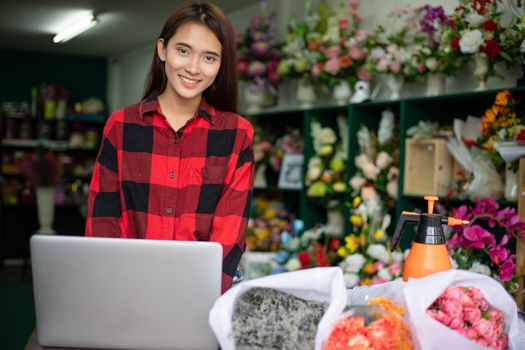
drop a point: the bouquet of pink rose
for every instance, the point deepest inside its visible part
(465, 310)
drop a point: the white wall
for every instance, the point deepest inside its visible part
(127, 72)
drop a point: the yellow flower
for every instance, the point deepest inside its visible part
(502, 97)
(326, 150)
(365, 282)
(270, 214)
(342, 252)
(250, 241)
(356, 220)
(369, 268)
(379, 234)
(262, 234)
(339, 187)
(351, 243)
(357, 200)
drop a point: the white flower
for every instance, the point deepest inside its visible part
(454, 263)
(471, 41)
(398, 257)
(294, 244)
(369, 194)
(431, 63)
(292, 265)
(386, 127)
(326, 150)
(379, 252)
(313, 173)
(353, 263)
(363, 140)
(383, 160)
(475, 19)
(357, 182)
(361, 160)
(327, 136)
(351, 279)
(392, 189)
(480, 268)
(522, 46)
(370, 171)
(384, 274)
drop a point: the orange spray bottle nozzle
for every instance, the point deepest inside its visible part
(431, 200)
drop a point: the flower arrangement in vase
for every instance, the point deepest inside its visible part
(475, 30)
(344, 48)
(325, 175)
(258, 57)
(394, 49)
(365, 252)
(484, 246)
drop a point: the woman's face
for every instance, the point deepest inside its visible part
(192, 60)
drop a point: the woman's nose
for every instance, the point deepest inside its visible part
(193, 66)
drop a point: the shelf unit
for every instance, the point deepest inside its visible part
(408, 112)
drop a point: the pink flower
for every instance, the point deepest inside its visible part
(260, 48)
(421, 68)
(356, 53)
(364, 74)
(395, 269)
(332, 66)
(507, 269)
(484, 328)
(242, 66)
(456, 323)
(395, 67)
(316, 69)
(452, 307)
(498, 254)
(332, 52)
(475, 235)
(256, 21)
(471, 314)
(355, 4)
(378, 265)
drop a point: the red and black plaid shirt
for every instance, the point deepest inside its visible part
(195, 184)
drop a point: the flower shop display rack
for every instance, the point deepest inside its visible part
(408, 112)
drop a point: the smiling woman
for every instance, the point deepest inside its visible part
(179, 164)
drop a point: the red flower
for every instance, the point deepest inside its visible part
(335, 244)
(453, 24)
(520, 138)
(491, 49)
(490, 25)
(454, 43)
(304, 258)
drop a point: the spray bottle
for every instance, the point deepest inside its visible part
(429, 251)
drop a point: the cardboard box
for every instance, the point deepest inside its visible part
(428, 167)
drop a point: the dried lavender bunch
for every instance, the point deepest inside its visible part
(265, 318)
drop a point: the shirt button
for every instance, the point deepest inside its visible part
(172, 174)
(169, 210)
(175, 141)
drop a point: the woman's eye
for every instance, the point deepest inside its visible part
(210, 58)
(182, 50)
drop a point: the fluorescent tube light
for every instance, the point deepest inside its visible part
(75, 29)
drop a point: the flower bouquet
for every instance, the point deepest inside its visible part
(42, 168)
(465, 310)
(484, 246)
(475, 29)
(344, 48)
(325, 176)
(289, 143)
(366, 250)
(258, 57)
(378, 326)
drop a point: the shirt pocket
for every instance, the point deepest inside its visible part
(210, 180)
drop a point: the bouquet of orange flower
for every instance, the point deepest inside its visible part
(377, 325)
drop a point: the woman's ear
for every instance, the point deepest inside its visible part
(161, 50)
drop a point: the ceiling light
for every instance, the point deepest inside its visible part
(75, 29)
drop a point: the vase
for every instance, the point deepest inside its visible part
(436, 84)
(259, 180)
(305, 94)
(481, 70)
(255, 100)
(334, 220)
(45, 203)
(342, 93)
(511, 183)
(395, 84)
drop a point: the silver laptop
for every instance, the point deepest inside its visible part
(111, 293)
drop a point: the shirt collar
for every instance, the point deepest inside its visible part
(151, 104)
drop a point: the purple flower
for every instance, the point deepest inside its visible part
(260, 48)
(256, 69)
(477, 236)
(507, 269)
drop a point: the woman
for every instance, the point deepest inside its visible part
(179, 164)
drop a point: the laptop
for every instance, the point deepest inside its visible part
(112, 293)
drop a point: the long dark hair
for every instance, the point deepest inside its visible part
(222, 94)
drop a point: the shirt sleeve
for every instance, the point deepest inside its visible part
(104, 206)
(232, 212)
